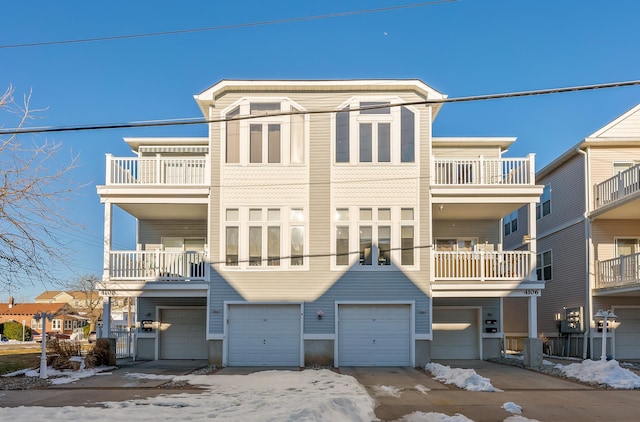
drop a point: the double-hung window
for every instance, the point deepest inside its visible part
(370, 237)
(375, 132)
(274, 133)
(544, 206)
(510, 223)
(543, 266)
(257, 237)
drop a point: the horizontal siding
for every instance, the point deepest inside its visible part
(264, 186)
(147, 305)
(568, 286)
(151, 232)
(378, 185)
(602, 159)
(605, 232)
(319, 194)
(627, 128)
(567, 195)
(490, 306)
(515, 238)
(516, 315)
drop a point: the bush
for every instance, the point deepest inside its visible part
(101, 354)
(61, 353)
(86, 329)
(13, 331)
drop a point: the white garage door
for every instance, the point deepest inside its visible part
(182, 334)
(455, 334)
(264, 335)
(627, 333)
(374, 335)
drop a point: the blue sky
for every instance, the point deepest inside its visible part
(460, 48)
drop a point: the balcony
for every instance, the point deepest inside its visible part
(484, 171)
(157, 170)
(621, 272)
(621, 191)
(481, 266)
(157, 266)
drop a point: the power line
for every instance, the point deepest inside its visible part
(225, 27)
(199, 121)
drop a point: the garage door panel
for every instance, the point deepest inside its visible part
(264, 335)
(374, 335)
(183, 334)
(455, 334)
(627, 334)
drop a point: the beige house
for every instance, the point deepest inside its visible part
(320, 222)
(588, 232)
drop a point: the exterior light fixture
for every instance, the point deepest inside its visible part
(44, 316)
(604, 315)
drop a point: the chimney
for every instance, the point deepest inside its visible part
(11, 302)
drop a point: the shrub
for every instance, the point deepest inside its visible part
(61, 352)
(101, 354)
(13, 331)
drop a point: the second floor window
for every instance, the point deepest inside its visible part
(543, 266)
(375, 133)
(510, 223)
(271, 138)
(544, 206)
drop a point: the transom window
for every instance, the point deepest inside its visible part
(271, 139)
(374, 237)
(264, 237)
(375, 133)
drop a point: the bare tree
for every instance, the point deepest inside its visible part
(33, 186)
(85, 289)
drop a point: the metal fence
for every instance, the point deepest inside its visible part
(125, 339)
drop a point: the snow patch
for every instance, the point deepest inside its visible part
(467, 379)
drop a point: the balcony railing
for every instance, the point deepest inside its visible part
(157, 265)
(617, 187)
(156, 171)
(484, 171)
(482, 265)
(623, 271)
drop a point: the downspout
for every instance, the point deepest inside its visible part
(587, 241)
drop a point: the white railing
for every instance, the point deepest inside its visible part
(623, 271)
(157, 265)
(156, 171)
(482, 265)
(484, 171)
(617, 187)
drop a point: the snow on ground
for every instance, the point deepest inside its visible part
(462, 378)
(385, 390)
(608, 372)
(511, 407)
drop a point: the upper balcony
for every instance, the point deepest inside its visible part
(493, 186)
(617, 275)
(619, 196)
(136, 266)
(158, 170)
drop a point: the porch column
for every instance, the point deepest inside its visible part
(533, 317)
(106, 317)
(108, 209)
(533, 241)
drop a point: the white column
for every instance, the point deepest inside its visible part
(533, 242)
(108, 208)
(106, 317)
(533, 316)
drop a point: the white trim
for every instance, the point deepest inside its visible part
(412, 325)
(225, 341)
(424, 337)
(330, 336)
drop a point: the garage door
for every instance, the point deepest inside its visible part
(627, 333)
(183, 334)
(455, 334)
(264, 335)
(374, 335)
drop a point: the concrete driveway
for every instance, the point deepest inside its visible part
(401, 391)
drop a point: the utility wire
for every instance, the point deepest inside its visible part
(199, 121)
(224, 27)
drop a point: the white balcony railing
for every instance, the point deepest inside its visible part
(157, 265)
(623, 271)
(482, 265)
(617, 187)
(156, 171)
(484, 171)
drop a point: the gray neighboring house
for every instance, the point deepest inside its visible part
(320, 222)
(588, 230)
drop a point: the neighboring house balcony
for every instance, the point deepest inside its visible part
(619, 274)
(481, 266)
(619, 196)
(484, 171)
(150, 266)
(158, 170)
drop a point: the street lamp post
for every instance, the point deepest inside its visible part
(44, 316)
(604, 315)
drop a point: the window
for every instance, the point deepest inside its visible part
(56, 324)
(627, 246)
(543, 266)
(619, 167)
(68, 324)
(272, 138)
(380, 134)
(381, 236)
(258, 237)
(544, 207)
(510, 223)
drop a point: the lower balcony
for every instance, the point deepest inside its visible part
(481, 266)
(157, 266)
(620, 272)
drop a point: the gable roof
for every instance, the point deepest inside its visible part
(625, 126)
(28, 309)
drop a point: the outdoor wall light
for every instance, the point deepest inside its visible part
(320, 313)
